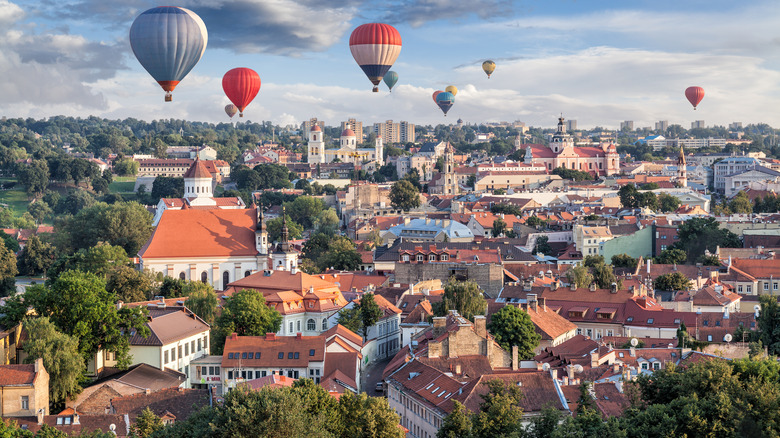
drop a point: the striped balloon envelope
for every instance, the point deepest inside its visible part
(168, 41)
(375, 47)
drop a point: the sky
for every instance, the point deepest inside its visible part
(599, 62)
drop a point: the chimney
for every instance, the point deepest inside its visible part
(565, 380)
(234, 336)
(554, 373)
(615, 367)
(40, 413)
(594, 359)
(613, 288)
(570, 372)
(270, 336)
(480, 325)
(592, 287)
(648, 266)
(293, 270)
(542, 303)
(532, 303)
(38, 365)
(75, 418)
(633, 352)
(439, 323)
(515, 363)
(119, 305)
(457, 369)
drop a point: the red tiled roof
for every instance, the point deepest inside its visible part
(14, 375)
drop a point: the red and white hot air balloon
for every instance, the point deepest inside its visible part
(241, 85)
(375, 47)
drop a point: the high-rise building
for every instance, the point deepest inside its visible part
(307, 125)
(390, 132)
(627, 125)
(698, 124)
(736, 126)
(571, 125)
(662, 125)
(406, 132)
(355, 126)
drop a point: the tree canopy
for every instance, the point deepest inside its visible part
(463, 296)
(703, 233)
(511, 326)
(404, 195)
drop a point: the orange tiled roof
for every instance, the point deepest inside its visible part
(13, 375)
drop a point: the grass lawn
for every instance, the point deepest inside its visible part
(16, 199)
(122, 185)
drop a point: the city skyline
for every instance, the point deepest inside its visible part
(600, 63)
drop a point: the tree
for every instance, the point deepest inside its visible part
(367, 417)
(647, 200)
(370, 312)
(741, 203)
(341, 255)
(327, 221)
(79, 305)
(304, 210)
(39, 210)
(246, 314)
(99, 185)
(35, 177)
(36, 257)
(768, 323)
(534, 221)
(404, 196)
(699, 234)
(99, 260)
(605, 277)
(580, 276)
(671, 256)
(668, 203)
(463, 296)
(8, 271)
(413, 176)
(167, 187)
(471, 181)
(146, 424)
(60, 354)
(628, 196)
(202, 300)
(542, 246)
(129, 284)
(500, 414)
(591, 261)
(499, 227)
(172, 287)
(673, 281)
(127, 224)
(576, 175)
(511, 327)
(274, 227)
(350, 318)
(624, 261)
(126, 167)
(457, 424)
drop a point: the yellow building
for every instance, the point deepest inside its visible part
(24, 390)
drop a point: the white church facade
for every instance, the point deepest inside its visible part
(348, 152)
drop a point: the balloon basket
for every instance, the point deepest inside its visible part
(240, 114)
(375, 89)
(168, 96)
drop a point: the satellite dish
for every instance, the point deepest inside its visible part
(112, 427)
(578, 368)
(546, 367)
(727, 338)
(634, 342)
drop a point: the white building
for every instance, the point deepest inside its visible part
(348, 152)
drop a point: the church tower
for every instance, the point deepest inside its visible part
(561, 139)
(261, 232)
(198, 183)
(316, 145)
(348, 139)
(450, 179)
(682, 172)
(379, 151)
(284, 258)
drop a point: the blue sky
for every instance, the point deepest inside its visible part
(599, 62)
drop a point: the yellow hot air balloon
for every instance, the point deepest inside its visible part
(452, 89)
(488, 66)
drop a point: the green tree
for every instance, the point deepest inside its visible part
(768, 323)
(79, 305)
(741, 203)
(542, 246)
(580, 276)
(304, 210)
(202, 300)
(35, 177)
(624, 261)
(350, 318)
(146, 424)
(592, 261)
(99, 260)
(699, 234)
(126, 167)
(39, 210)
(457, 424)
(341, 255)
(127, 224)
(671, 256)
(172, 287)
(129, 284)
(499, 227)
(404, 196)
(500, 414)
(629, 196)
(605, 277)
(36, 257)
(8, 271)
(60, 354)
(246, 314)
(99, 185)
(576, 175)
(534, 221)
(463, 296)
(274, 227)
(668, 203)
(167, 187)
(511, 326)
(367, 417)
(370, 312)
(673, 281)
(327, 221)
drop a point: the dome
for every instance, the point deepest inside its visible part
(316, 128)
(347, 133)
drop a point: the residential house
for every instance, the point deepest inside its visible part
(24, 390)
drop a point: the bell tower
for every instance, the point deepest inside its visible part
(682, 172)
(316, 145)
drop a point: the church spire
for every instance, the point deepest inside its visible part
(284, 240)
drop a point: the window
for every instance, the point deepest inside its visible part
(709, 338)
(251, 355)
(165, 357)
(656, 366)
(290, 355)
(281, 355)
(420, 257)
(199, 345)
(298, 325)
(705, 323)
(243, 355)
(311, 352)
(204, 277)
(432, 257)
(749, 289)
(774, 286)
(173, 354)
(247, 273)
(186, 349)
(213, 371)
(766, 285)
(444, 257)
(25, 402)
(324, 324)
(291, 327)
(644, 365)
(182, 276)
(739, 288)
(310, 325)
(225, 279)
(180, 355)
(405, 258)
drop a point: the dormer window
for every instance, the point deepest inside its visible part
(420, 257)
(444, 257)
(432, 257)
(405, 258)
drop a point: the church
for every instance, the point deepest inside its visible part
(602, 160)
(348, 152)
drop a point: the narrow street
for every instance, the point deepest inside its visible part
(373, 374)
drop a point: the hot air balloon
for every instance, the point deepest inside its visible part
(231, 110)
(445, 101)
(452, 89)
(694, 95)
(488, 67)
(168, 41)
(241, 86)
(375, 47)
(390, 79)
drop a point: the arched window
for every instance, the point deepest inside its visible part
(324, 324)
(310, 325)
(298, 326)
(204, 277)
(182, 275)
(247, 273)
(225, 279)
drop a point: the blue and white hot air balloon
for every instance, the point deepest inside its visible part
(168, 41)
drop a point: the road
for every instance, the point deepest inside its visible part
(371, 375)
